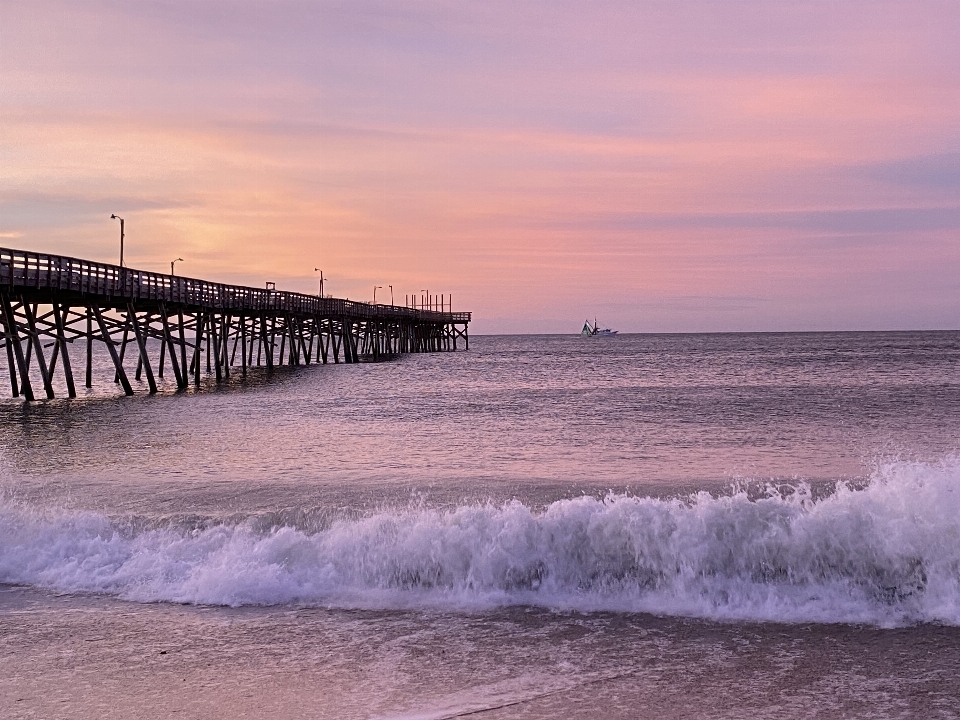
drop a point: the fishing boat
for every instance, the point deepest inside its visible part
(595, 331)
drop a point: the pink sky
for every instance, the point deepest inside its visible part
(667, 166)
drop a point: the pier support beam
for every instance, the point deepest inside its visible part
(168, 341)
(13, 336)
(88, 380)
(38, 344)
(197, 349)
(111, 347)
(58, 315)
(142, 345)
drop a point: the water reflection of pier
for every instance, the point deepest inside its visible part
(49, 302)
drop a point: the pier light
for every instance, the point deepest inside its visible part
(117, 217)
(375, 288)
(321, 279)
(172, 263)
(423, 298)
(391, 295)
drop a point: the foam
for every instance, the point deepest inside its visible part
(887, 553)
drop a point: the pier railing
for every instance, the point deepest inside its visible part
(21, 269)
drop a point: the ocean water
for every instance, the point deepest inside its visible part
(669, 526)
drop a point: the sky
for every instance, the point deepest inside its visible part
(681, 166)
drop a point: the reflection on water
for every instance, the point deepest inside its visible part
(531, 417)
(444, 496)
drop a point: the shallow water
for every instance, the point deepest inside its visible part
(98, 657)
(544, 526)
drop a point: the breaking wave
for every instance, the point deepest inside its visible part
(887, 553)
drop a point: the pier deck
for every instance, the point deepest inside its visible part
(49, 302)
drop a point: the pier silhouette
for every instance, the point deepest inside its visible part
(49, 302)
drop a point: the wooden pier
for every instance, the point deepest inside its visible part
(49, 303)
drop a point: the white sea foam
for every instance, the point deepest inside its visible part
(887, 553)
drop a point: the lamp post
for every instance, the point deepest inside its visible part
(117, 217)
(391, 296)
(172, 262)
(422, 297)
(375, 288)
(321, 279)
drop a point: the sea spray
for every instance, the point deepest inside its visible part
(886, 552)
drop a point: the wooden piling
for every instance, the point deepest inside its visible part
(88, 380)
(123, 350)
(168, 342)
(224, 342)
(198, 349)
(323, 342)
(13, 337)
(41, 361)
(213, 337)
(142, 345)
(267, 347)
(243, 346)
(108, 340)
(183, 349)
(58, 315)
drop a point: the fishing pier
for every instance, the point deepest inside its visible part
(49, 303)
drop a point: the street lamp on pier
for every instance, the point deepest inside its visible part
(117, 217)
(375, 288)
(172, 262)
(391, 295)
(321, 279)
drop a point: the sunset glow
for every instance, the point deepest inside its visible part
(673, 166)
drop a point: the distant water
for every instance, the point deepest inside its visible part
(543, 526)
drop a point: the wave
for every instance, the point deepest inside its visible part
(886, 553)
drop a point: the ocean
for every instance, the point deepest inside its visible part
(647, 526)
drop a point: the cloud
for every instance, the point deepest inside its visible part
(856, 220)
(925, 171)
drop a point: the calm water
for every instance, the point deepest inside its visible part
(762, 525)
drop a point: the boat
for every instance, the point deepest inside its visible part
(595, 331)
